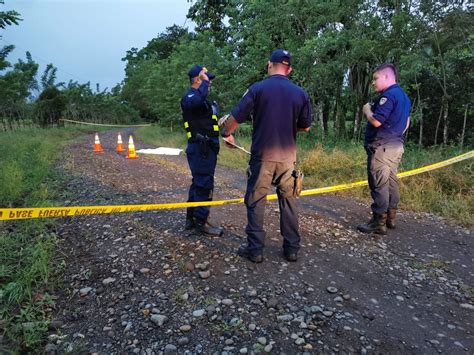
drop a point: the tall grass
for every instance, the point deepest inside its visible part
(447, 192)
(27, 247)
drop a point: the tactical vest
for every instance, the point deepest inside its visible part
(204, 122)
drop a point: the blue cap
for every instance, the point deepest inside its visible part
(196, 69)
(281, 56)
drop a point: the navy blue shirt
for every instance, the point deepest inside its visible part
(198, 111)
(278, 107)
(392, 110)
(195, 105)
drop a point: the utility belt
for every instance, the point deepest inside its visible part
(205, 143)
(379, 142)
(208, 126)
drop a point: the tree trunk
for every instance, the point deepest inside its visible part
(437, 125)
(321, 116)
(445, 128)
(326, 108)
(420, 137)
(339, 124)
(356, 123)
(464, 126)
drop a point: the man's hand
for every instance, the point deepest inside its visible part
(222, 121)
(203, 75)
(229, 142)
(367, 110)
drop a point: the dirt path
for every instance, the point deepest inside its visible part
(139, 283)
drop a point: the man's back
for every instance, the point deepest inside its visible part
(279, 108)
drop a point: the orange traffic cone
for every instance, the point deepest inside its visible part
(131, 154)
(97, 146)
(119, 144)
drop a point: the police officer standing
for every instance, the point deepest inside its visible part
(279, 109)
(202, 131)
(388, 118)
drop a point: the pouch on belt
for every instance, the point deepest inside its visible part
(298, 177)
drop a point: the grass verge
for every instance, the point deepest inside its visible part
(27, 247)
(447, 192)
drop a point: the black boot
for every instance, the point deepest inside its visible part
(204, 227)
(375, 225)
(391, 214)
(244, 252)
(190, 224)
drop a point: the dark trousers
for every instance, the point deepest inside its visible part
(262, 175)
(202, 160)
(382, 167)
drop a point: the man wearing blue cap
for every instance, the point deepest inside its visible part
(202, 131)
(279, 109)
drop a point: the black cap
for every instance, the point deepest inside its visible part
(281, 56)
(196, 69)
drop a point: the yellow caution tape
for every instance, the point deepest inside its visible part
(423, 169)
(50, 212)
(106, 125)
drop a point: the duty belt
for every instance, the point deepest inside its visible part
(190, 134)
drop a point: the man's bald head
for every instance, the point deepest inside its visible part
(387, 69)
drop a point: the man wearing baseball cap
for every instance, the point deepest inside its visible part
(202, 131)
(279, 109)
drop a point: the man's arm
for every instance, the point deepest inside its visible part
(228, 125)
(408, 124)
(196, 99)
(367, 110)
(305, 119)
(307, 129)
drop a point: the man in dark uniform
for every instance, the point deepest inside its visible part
(279, 109)
(388, 118)
(202, 131)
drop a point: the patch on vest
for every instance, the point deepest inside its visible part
(382, 101)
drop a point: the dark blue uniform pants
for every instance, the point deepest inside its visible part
(262, 175)
(382, 167)
(202, 160)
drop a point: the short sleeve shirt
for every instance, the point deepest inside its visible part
(278, 108)
(392, 110)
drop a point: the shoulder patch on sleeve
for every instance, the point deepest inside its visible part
(382, 101)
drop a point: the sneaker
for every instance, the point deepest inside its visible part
(244, 252)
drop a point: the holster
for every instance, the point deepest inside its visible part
(203, 143)
(298, 182)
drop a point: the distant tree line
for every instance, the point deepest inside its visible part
(335, 46)
(25, 100)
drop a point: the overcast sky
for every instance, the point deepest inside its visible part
(86, 39)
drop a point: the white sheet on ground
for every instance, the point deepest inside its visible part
(160, 151)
